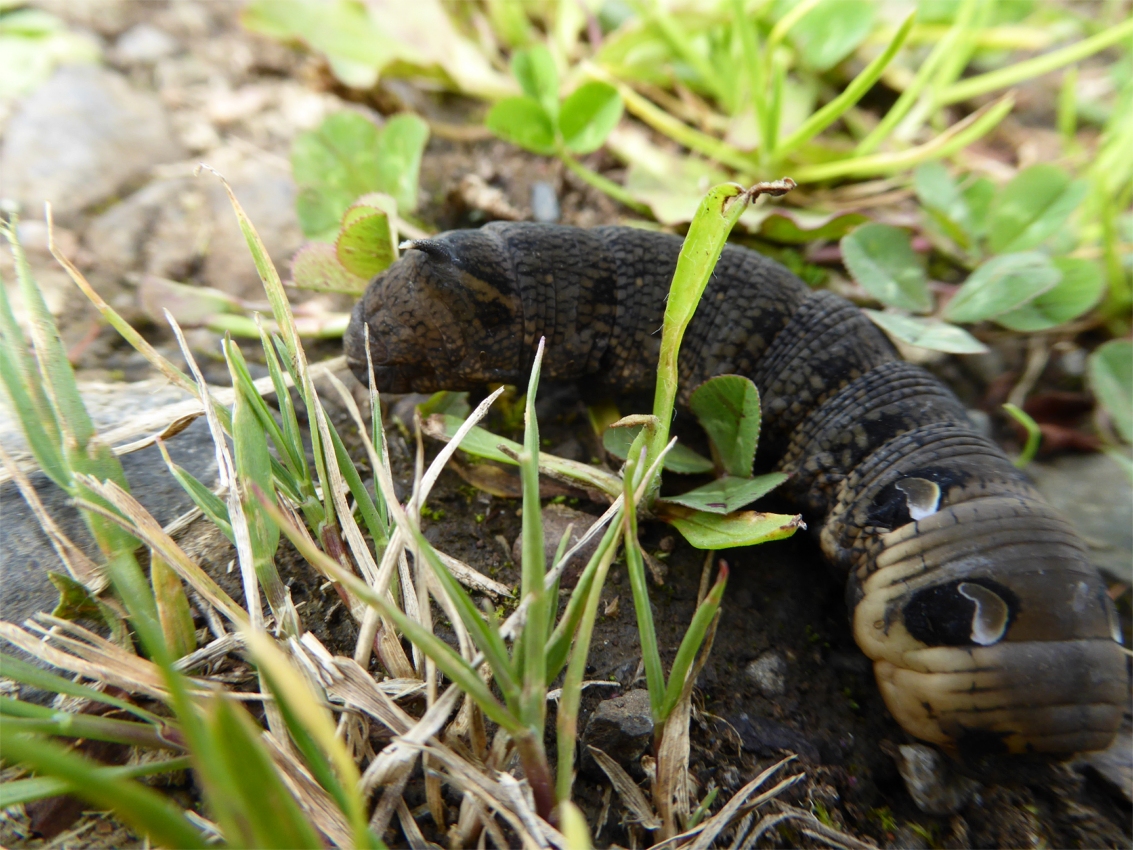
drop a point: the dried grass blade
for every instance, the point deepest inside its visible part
(632, 796)
(85, 571)
(142, 524)
(712, 827)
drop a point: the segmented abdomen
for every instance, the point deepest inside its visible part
(987, 625)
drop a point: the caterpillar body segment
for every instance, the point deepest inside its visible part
(988, 627)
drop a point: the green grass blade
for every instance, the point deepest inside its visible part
(54, 368)
(854, 92)
(313, 731)
(21, 791)
(956, 137)
(29, 674)
(377, 527)
(447, 660)
(142, 808)
(567, 718)
(26, 717)
(692, 641)
(211, 505)
(559, 644)
(1030, 68)
(25, 390)
(635, 566)
(257, 809)
(533, 699)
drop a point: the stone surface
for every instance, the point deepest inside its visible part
(26, 555)
(144, 44)
(79, 139)
(556, 519)
(769, 673)
(930, 781)
(267, 195)
(160, 229)
(770, 738)
(1095, 495)
(621, 727)
(544, 202)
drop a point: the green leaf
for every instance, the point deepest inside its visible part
(316, 266)
(1035, 204)
(1110, 369)
(713, 531)
(832, 31)
(401, 143)
(978, 196)
(451, 403)
(795, 227)
(365, 246)
(927, 333)
(944, 202)
(1002, 284)
(1080, 289)
(333, 164)
(680, 459)
(588, 116)
(534, 70)
(727, 407)
(524, 122)
(882, 260)
(728, 494)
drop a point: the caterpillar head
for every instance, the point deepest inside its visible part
(446, 316)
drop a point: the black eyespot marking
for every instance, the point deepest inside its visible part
(908, 498)
(969, 612)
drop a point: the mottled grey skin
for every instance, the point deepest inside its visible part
(988, 628)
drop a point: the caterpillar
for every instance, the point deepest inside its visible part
(988, 628)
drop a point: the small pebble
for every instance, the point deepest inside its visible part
(544, 202)
(144, 44)
(930, 781)
(769, 672)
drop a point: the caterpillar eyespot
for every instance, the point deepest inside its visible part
(988, 628)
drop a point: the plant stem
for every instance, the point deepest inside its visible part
(604, 184)
(1017, 73)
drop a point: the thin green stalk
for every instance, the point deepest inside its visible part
(854, 92)
(753, 64)
(678, 42)
(780, 30)
(1034, 434)
(604, 184)
(21, 791)
(921, 79)
(567, 721)
(958, 136)
(677, 130)
(635, 567)
(1021, 71)
(142, 808)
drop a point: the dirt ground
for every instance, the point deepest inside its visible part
(784, 608)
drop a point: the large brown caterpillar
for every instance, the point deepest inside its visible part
(988, 628)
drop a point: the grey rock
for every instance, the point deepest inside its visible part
(26, 555)
(769, 673)
(267, 195)
(144, 44)
(1115, 764)
(1095, 495)
(80, 138)
(157, 230)
(768, 737)
(621, 727)
(544, 202)
(931, 782)
(556, 519)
